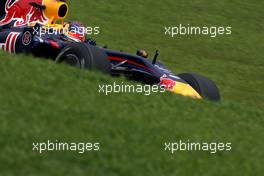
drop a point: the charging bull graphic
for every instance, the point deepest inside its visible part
(21, 12)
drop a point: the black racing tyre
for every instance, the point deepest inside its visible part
(204, 86)
(85, 56)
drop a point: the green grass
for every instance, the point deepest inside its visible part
(40, 100)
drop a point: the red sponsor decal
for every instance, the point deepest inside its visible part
(167, 83)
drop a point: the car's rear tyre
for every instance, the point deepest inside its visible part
(204, 86)
(84, 56)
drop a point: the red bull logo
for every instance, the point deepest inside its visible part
(167, 83)
(22, 13)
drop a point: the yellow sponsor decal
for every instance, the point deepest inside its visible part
(185, 90)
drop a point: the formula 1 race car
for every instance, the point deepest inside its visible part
(37, 27)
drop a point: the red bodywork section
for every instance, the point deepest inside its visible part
(22, 13)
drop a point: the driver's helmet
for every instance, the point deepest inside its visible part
(142, 53)
(77, 31)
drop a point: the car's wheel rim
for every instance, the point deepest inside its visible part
(73, 60)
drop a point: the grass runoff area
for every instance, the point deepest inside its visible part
(42, 101)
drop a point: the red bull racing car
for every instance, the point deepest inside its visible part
(37, 27)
